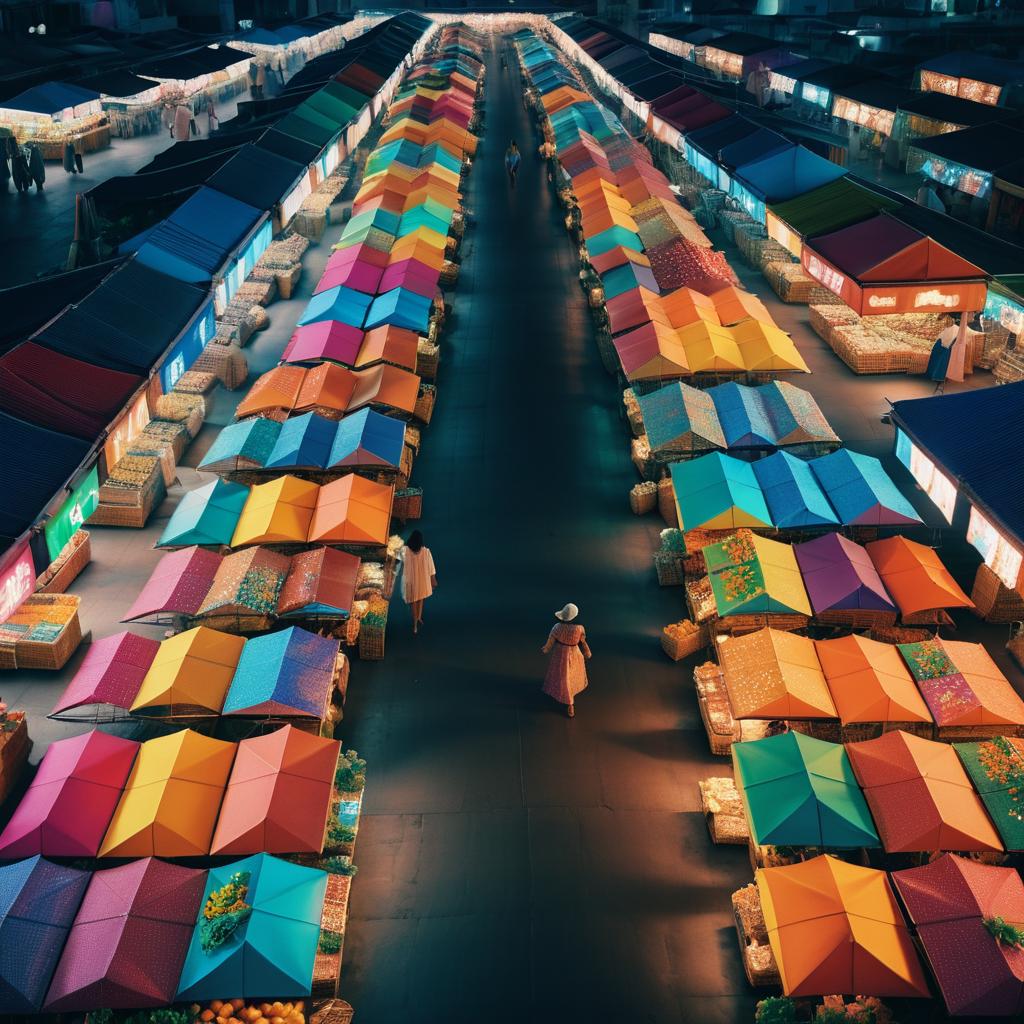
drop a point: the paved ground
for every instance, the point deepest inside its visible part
(515, 865)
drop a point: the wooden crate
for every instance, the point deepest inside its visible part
(758, 961)
(37, 654)
(667, 502)
(408, 504)
(678, 646)
(130, 507)
(15, 747)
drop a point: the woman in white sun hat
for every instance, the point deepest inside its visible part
(567, 673)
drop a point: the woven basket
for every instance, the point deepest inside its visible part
(371, 642)
(678, 646)
(669, 567)
(287, 280)
(334, 1011)
(667, 502)
(643, 498)
(408, 504)
(15, 747)
(994, 601)
(37, 654)
(427, 358)
(64, 569)
(425, 404)
(723, 811)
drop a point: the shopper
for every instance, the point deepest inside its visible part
(211, 118)
(19, 166)
(69, 158)
(79, 165)
(419, 577)
(567, 673)
(36, 167)
(512, 162)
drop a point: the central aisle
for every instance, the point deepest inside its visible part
(514, 864)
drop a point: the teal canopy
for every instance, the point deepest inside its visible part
(716, 492)
(615, 235)
(207, 515)
(244, 445)
(271, 953)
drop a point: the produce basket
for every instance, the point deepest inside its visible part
(74, 557)
(681, 639)
(123, 504)
(408, 503)
(758, 960)
(992, 600)
(723, 811)
(42, 634)
(667, 502)
(427, 358)
(372, 627)
(643, 497)
(327, 965)
(425, 403)
(333, 1011)
(669, 567)
(15, 747)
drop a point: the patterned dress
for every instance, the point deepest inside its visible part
(567, 674)
(417, 570)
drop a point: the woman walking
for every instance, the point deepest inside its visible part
(567, 672)
(419, 577)
(512, 161)
(69, 158)
(36, 167)
(19, 166)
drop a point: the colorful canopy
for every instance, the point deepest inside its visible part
(176, 584)
(128, 940)
(352, 510)
(962, 685)
(869, 682)
(276, 512)
(248, 582)
(715, 492)
(321, 581)
(949, 902)
(799, 791)
(273, 949)
(289, 673)
(169, 806)
(793, 493)
(836, 928)
(111, 673)
(996, 768)
(920, 795)
(915, 577)
(770, 674)
(279, 794)
(861, 491)
(839, 575)
(68, 806)
(38, 902)
(189, 674)
(751, 574)
(206, 515)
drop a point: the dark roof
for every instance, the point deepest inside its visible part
(744, 44)
(799, 70)
(657, 85)
(837, 76)
(979, 66)
(875, 92)
(969, 435)
(117, 83)
(199, 149)
(714, 137)
(938, 106)
(258, 177)
(985, 147)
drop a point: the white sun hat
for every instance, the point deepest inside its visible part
(568, 613)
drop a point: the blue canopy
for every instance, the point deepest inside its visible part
(366, 438)
(420, 217)
(794, 496)
(861, 491)
(207, 515)
(401, 308)
(195, 241)
(243, 445)
(615, 235)
(384, 220)
(38, 903)
(786, 174)
(345, 305)
(286, 673)
(755, 146)
(744, 419)
(50, 98)
(303, 441)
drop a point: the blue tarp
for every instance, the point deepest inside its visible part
(285, 673)
(743, 417)
(195, 242)
(970, 436)
(755, 146)
(304, 441)
(401, 308)
(861, 491)
(792, 492)
(50, 98)
(189, 347)
(781, 176)
(345, 305)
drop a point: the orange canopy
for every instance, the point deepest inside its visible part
(733, 305)
(279, 794)
(920, 795)
(385, 385)
(771, 674)
(685, 306)
(388, 344)
(915, 576)
(869, 681)
(326, 386)
(835, 928)
(276, 389)
(276, 512)
(352, 510)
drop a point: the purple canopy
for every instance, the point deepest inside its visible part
(839, 575)
(179, 583)
(111, 673)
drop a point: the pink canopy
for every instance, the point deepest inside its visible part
(412, 275)
(111, 673)
(128, 943)
(326, 339)
(360, 253)
(179, 583)
(67, 809)
(358, 274)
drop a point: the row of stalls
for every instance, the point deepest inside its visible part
(241, 703)
(103, 397)
(871, 755)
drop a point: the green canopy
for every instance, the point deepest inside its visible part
(831, 207)
(996, 768)
(207, 515)
(799, 791)
(271, 952)
(716, 492)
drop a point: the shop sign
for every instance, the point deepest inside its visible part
(80, 504)
(17, 580)
(126, 430)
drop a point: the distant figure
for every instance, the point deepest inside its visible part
(261, 81)
(19, 165)
(5, 167)
(69, 158)
(512, 161)
(79, 165)
(168, 119)
(182, 123)
(419, 577)
(36, 167)
(567, 672)
(211, 118)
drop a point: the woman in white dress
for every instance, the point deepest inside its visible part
(419, 578)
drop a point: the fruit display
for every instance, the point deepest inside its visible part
(238, 1011)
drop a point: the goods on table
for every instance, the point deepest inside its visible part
(195, 382)
(43, 633)
(681, 639)
(238, 1011)
(723, 811)
(64, 569)
(15, 746)
(758, 959)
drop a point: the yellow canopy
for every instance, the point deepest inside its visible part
(190, 674)
(276, 512)
(782, 577)
(710, 348)
(169, 806)
(767, 347)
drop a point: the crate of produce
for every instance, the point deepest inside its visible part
(126, 502)
(643, 498)
(667, 502)
(427, 358)
(994, 601)
(682, 639)
(42, 634)
(65, 568)
(425, 403)
(408, 503)
(723, 811)
(372, 628)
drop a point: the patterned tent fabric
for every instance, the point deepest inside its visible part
(178, 583)
(112, 672)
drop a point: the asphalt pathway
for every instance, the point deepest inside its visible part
(514, 864)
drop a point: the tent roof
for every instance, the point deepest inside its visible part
(715, 492)
(982, 67)
(915, 576)
(984, 147)
(996, 768)
(789, 173)
(839, 574)
(939, 106)
(50, 98)
(177, 584)
(257, 177)
(111, 672)
(830, 207)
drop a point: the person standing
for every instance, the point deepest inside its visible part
(419, 577)
(513, 158)
(79, 164)
(69, 158)
(567, 671)
(211, 118)
(36, 167)
(19, 166)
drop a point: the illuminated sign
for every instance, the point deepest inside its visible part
(16, 581)
(827, 275)
(936, 298)
(882, 301)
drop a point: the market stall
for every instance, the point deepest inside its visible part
(56, 113)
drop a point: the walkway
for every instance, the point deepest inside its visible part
(515, 865)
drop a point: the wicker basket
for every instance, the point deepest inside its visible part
(427, 358)
(408, 504)
(643, 498)
(131, 507)
(669, 567)
(994, 601)
(667, 502)
(52, 655)
(425, 403)
(334, 1011)
(226, 362)
(723, 812)
(682, 645)
(287, 280)
(65, 568)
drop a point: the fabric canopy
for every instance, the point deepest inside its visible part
(206, 515)
(996, 769)
(915, 577)
(177, 584)
(839, 575)
(715, 493)
(751, 574)
(111, 673)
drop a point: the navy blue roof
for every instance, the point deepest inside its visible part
(971, 437)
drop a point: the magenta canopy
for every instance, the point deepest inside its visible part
(111, 673)
(839, 575)
(326, 339)
(359, 253)
(412, 275)
(179, 584)
(358, 274)
(128, 943)
(67, 809)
